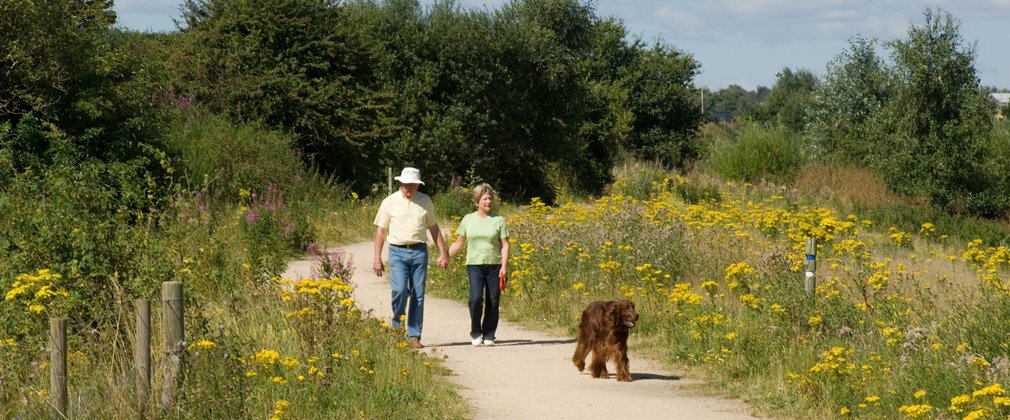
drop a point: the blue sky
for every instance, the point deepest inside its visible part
(746, 42)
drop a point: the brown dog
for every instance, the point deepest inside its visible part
(604, 332)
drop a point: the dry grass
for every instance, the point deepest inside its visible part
(846, 185)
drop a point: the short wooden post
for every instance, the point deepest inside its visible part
(142, 352)
(172, 317)
(810, 283)
(389, 181)
(58, 367)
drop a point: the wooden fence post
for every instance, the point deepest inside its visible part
(142, 352)
(172, 316)
(810, 283)
(58, 367)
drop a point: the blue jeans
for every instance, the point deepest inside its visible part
(408, 271)
(483, 287)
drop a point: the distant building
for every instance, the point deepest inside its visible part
(1002, 102)
(1002, 99)
(721, 116)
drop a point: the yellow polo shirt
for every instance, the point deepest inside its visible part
(406, 221)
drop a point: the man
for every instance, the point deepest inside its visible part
(405, 218)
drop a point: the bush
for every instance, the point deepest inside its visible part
(639, 180)
(86, 223)
(274, 231)
(220, 157)
(758, 153)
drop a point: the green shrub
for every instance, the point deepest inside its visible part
(220, 157)
(694, 194)
(757, 153)
(274, 232)
(454, 203)
(639, 180)
(85, 222)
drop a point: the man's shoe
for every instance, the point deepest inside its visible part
(476, 341)
(488, 342)
(416, 343)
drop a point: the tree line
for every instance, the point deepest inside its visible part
(512, 96)
(531, 95)
(911, 109)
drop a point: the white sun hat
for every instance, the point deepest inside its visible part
(409, 176)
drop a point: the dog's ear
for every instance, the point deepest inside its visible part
(612, 313)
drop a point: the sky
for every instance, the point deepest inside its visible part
(746, 42)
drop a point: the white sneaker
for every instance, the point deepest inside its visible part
(476, 342)
(488, 342)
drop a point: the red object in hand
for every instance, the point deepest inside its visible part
(502, 281)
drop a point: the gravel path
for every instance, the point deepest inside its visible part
(529, 374)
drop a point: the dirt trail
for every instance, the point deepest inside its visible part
(529, 374)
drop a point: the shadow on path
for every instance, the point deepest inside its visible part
(653, 376)
(506, 343)
(641, 376)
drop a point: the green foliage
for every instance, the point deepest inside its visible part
(733, 102)
(665, 105)
(846, 103)
(939, 119)
(512, 103)
(454, 203)
(221, 157)
(87, 223)
(529, 86)
(274, 232)
(789, 99)
(923, 122)
(640, 180)
(756, 153)
(70, 79)
(294, 65)
(694, 194)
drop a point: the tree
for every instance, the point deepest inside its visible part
(788, 100)
(936, 126)
(855, 88)
(733, 101)
(665, 105)
(69, 86)
(295, 65)
(503, 96)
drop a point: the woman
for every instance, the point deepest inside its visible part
(487, 258)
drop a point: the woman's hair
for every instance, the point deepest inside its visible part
(480, 190)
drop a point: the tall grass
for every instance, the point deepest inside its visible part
(84, 241)
(289, 349)
(904, 322)
(756, 152)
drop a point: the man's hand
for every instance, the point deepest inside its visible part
(377, 266)
(443, 260)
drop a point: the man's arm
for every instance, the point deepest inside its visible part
(380, 238)
(443, 255)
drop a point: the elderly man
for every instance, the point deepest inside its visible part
(405, 218)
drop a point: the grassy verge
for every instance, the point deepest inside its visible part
(903, 321)
(84, 241)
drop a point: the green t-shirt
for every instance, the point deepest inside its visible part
(483, 237)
